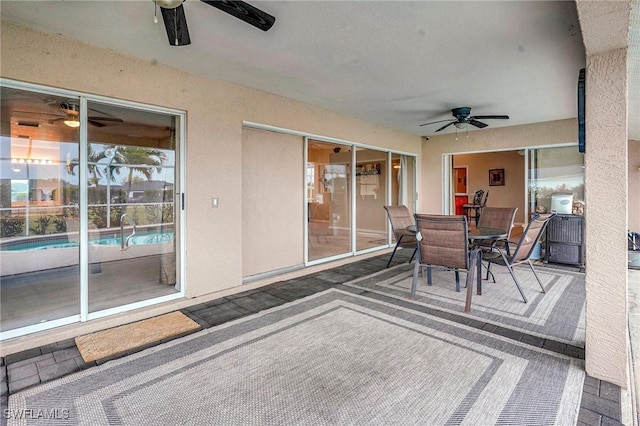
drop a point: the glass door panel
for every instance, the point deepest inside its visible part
(371, 197)
(556, 173)
(39, 197)
(328, 184)
(131, 178)
(403, 181)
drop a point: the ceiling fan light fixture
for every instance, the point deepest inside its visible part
(460, 124)
(168, 4)
(72, 121)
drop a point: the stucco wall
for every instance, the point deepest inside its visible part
(215, 112)
(634, 186)
(606, 175)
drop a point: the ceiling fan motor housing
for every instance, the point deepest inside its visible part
(462, 112)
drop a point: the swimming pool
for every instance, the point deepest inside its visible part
(61, 242)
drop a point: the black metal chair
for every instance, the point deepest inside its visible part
(476, 206)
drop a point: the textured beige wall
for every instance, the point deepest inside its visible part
(215, 112)
(606, 174)
(634, 186)
(515, 137)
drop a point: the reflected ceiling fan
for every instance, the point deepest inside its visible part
(72, 116)
(175, 20)
(463, 118)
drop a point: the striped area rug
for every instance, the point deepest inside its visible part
(557, 314)
(333, 358)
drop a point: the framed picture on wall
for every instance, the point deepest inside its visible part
(496, 177)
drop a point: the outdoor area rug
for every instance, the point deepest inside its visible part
(557, 314)
(103, 344)
(331, 358)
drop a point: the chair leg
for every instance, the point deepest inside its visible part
(413, 255)
(515, 280)
(414, 280)
(392, 254)
(429, 275)
(490, 273)
(457, 280)
(474, 263)
(536, 275)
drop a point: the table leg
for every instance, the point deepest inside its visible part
(479, 278)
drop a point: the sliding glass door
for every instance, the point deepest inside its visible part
(328, 183)
(131, 177)
(371, 197)
(88, 221)
(345, 205)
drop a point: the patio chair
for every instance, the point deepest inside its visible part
(443, 242)
(496, 218)
(476, 206)
(400, 218)
(522, 252)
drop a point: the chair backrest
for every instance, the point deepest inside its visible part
(486, 197)
(477, 197)
(400, 217)
(444, 240)
(530, 237)
(498, 218)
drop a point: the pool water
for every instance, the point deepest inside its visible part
(140, 238)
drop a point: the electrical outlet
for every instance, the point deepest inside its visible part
(214, 202)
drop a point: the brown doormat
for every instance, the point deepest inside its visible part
(103, 344)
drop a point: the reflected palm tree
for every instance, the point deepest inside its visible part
(92, 164)
(139, 160)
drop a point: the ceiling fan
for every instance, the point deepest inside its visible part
(72, 116)
(175, 20)
(463, 118)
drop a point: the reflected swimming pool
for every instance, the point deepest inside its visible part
(60, 242)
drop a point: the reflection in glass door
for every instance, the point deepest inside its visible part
(131, 177)
(371, 197)
(39, 256)
(403, 177)
(328, 180)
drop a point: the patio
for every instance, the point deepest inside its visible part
(601, 402)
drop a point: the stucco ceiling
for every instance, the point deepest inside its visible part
(396, 63)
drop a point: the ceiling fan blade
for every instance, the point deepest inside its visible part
(114, 119)
(175, 22)
(96, 123)
(491, 117)
(445, 126)
(37, 113)
(477, 123)
(434, 122)
(244, 11)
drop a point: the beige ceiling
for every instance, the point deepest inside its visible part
(396, 63)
